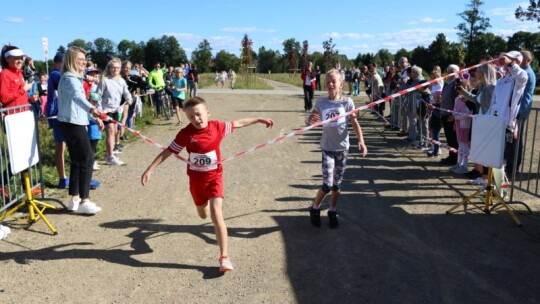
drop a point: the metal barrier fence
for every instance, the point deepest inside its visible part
(11, 186)
(525, 178)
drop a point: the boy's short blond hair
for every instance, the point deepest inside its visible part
(194, 101)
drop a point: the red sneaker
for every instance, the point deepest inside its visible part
(225, 264)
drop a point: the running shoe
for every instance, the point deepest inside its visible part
(332, 216)
(315, 216)
(225, 264)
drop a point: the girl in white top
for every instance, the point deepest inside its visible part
(112, 88)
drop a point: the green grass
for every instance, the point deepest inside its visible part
(242, 82)
(293, 79)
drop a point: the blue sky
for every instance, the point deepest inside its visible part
(354, 27)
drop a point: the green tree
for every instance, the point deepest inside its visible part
(171, 52)
(318, 59)
(268, 61)
(439, 51)
(456, 54)
(330, 54)
(152, 53)
(102, 51)
(305, 54)
(493, 44)
(61, 49)
(87, 46)
(225, 61)
(364, 59)
(473, 26)
(125, 48)
(532, 12)
(246, 57)
(420, 57)
(137, 52)
(383, 57)
(291, 53)
(165, 50)
(402, 53)
(202, 56)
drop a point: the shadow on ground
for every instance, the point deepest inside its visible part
(384, 253)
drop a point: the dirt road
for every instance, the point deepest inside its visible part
(395, 244)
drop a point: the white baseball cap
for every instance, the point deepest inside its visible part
(516, 55)
(14, 53)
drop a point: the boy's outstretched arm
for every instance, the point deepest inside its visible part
(359, 135)
(158, 160)
(244, 122)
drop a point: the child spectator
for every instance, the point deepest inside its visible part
(95, 127)
(42, 91)
(462, 127)
(334, 144)
(179, 92)
(435, 123)
(201, 139)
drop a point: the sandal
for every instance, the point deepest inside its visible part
(225, 264)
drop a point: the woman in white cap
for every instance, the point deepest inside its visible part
(13, 88)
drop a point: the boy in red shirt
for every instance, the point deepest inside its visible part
(201, 139)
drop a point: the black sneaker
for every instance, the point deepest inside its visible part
(315, 216)
(332, 216)
(473, 174)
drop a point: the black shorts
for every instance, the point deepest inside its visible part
(177, 102)
(113, 116)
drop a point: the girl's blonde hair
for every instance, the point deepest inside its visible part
(69, 63)
(106, 72)
(334, 72)
(182, 72)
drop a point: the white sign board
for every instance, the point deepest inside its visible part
(22, 140)
(488, 141)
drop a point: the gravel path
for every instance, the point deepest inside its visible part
(394, 244)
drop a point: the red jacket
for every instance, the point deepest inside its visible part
(12, 91)
(311, 75)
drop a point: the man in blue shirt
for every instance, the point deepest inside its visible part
(523, 113)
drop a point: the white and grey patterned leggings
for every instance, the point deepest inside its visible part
(333, 167)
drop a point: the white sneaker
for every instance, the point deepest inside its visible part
(5, 229)
(73, 205)
(478, 181)
(96, 166)
(113, 161)
(88, 207)
(454, 167)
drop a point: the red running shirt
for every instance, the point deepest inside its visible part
(203, 148)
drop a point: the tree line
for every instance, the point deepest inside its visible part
(475, 42)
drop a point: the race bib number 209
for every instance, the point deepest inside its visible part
(203, 162)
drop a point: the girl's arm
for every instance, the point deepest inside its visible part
(359, 134)
(244, 122)
(158, 160)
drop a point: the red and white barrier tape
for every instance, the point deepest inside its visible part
(303, 130)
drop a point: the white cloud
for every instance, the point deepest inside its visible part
(14, 19)
(431, 20)
(339, 36)
(246, 30)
